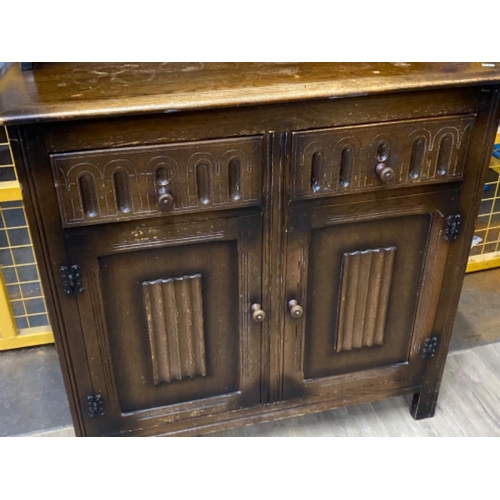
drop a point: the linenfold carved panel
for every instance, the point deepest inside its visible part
(174, 311)
(364, 298)
(125, 183)
(343, 160)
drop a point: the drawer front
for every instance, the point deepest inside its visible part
(139, 182)
(372, 157)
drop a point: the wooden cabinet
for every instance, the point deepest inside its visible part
(208, 268)
(165, 320)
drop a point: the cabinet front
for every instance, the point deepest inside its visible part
(363, 283)
(166, 316)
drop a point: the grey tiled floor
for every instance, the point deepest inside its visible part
(32, 394)
(469, 405)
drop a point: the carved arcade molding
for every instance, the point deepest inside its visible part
(137, 182)
(345, 159)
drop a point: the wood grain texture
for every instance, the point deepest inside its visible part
(174, 312)
(278, 249)
(55, 91)
(343, 160)
(479, 154)
(124, 183)
(364, 297)
(130, 131)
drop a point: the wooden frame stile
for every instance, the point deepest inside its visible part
(72, 365)
(277, 216)
(424, 402)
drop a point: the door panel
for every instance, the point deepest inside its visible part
(362, 293)
(164, 313)
(367, 276)
(166, 318)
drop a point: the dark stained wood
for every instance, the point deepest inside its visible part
(364, 297)
(152, 339)
(54, 91)
(198, 176)
(316, 285)
(331, 338)
(478, 159)
(360, 158)
(174, 312)
(76, 135)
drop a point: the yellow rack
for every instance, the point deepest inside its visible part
(23, 314)
(485, 250)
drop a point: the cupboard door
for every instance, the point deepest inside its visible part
(167, 321)
(363, 283)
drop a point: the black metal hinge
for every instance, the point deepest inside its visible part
(429, 347)
(94, 405)
(71, 279)
(452, 227)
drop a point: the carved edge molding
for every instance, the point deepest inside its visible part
(170, 241)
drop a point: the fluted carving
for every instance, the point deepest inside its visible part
(174, 311)
(364, 299)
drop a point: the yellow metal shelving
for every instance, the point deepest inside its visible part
(485, 251)
(23, 314)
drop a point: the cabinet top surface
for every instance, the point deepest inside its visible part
(59, 91)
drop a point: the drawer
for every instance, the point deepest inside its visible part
(146, 181)
(370, 157)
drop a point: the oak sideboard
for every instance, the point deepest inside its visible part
(223, 244)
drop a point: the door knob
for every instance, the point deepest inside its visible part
(164, 198)
(295, 309)
(258, 315)
(384, 172)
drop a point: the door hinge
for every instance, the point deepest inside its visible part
(94, 405)
(71, 279)
(452, 227)
(429, 347)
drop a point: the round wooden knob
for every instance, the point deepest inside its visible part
(165, 199)
(384, 172)
(258, 315)
(295, 310)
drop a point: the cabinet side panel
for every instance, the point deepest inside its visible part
(477, 162)
(40, 202)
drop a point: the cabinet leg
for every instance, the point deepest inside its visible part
(423, 405)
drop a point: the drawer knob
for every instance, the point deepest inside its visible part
(258, 315)
(295, 310)
(164, 198)
(384, 172)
